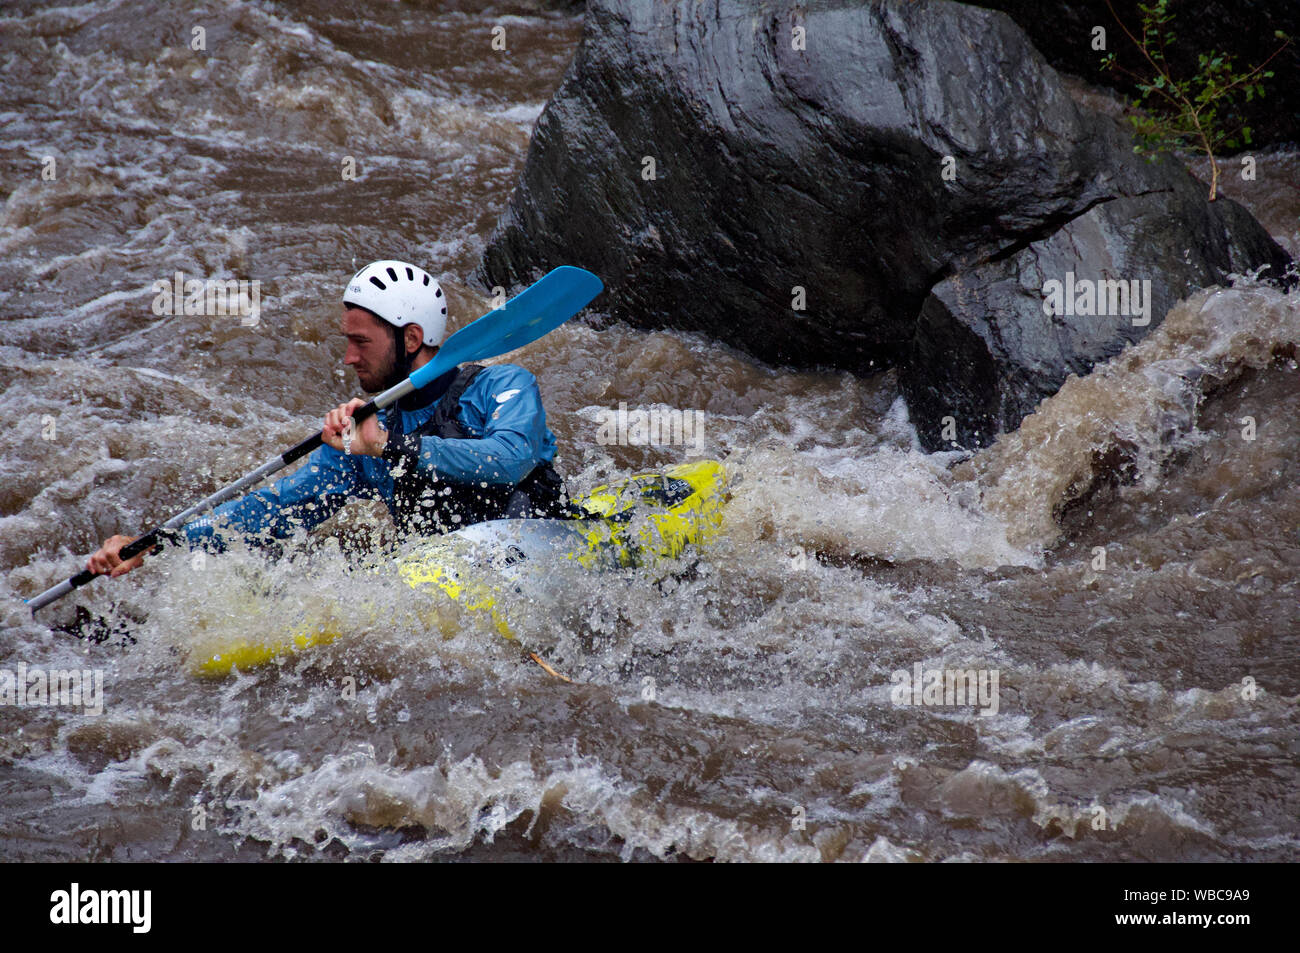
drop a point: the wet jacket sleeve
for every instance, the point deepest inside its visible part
(504, 405)
(305, 498)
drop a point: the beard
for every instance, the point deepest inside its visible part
(388, 374)
(378, 381)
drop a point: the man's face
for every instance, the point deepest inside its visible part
(370, 350)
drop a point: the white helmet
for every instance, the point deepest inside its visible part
(401, 294)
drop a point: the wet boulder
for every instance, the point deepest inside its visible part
(1004, 334)
(856, 185)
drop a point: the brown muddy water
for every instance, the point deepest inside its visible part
(1126, 563)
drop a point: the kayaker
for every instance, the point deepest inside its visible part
(472, 445)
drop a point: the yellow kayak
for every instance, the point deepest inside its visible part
(641, 520)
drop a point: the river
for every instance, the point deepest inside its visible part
(1125, 564)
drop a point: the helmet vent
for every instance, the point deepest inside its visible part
(410, 275)
(426, 279)
(391, 274)
(438, 293)
(377, 283)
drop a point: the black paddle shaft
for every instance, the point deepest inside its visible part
(158, 533)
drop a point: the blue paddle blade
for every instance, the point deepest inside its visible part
(533, 313)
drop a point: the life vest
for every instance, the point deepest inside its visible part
(426, 506)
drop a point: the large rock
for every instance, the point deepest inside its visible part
(1000, 349)
(778, 168)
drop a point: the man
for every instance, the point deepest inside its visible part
(472, 445)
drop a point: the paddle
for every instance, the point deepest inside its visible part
(533, 313)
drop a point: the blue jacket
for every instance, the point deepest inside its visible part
(501, 408)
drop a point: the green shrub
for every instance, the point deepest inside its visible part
(1197, 113)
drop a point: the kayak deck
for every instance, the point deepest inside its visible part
(641, 520)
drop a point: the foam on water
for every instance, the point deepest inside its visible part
(1138, 410)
